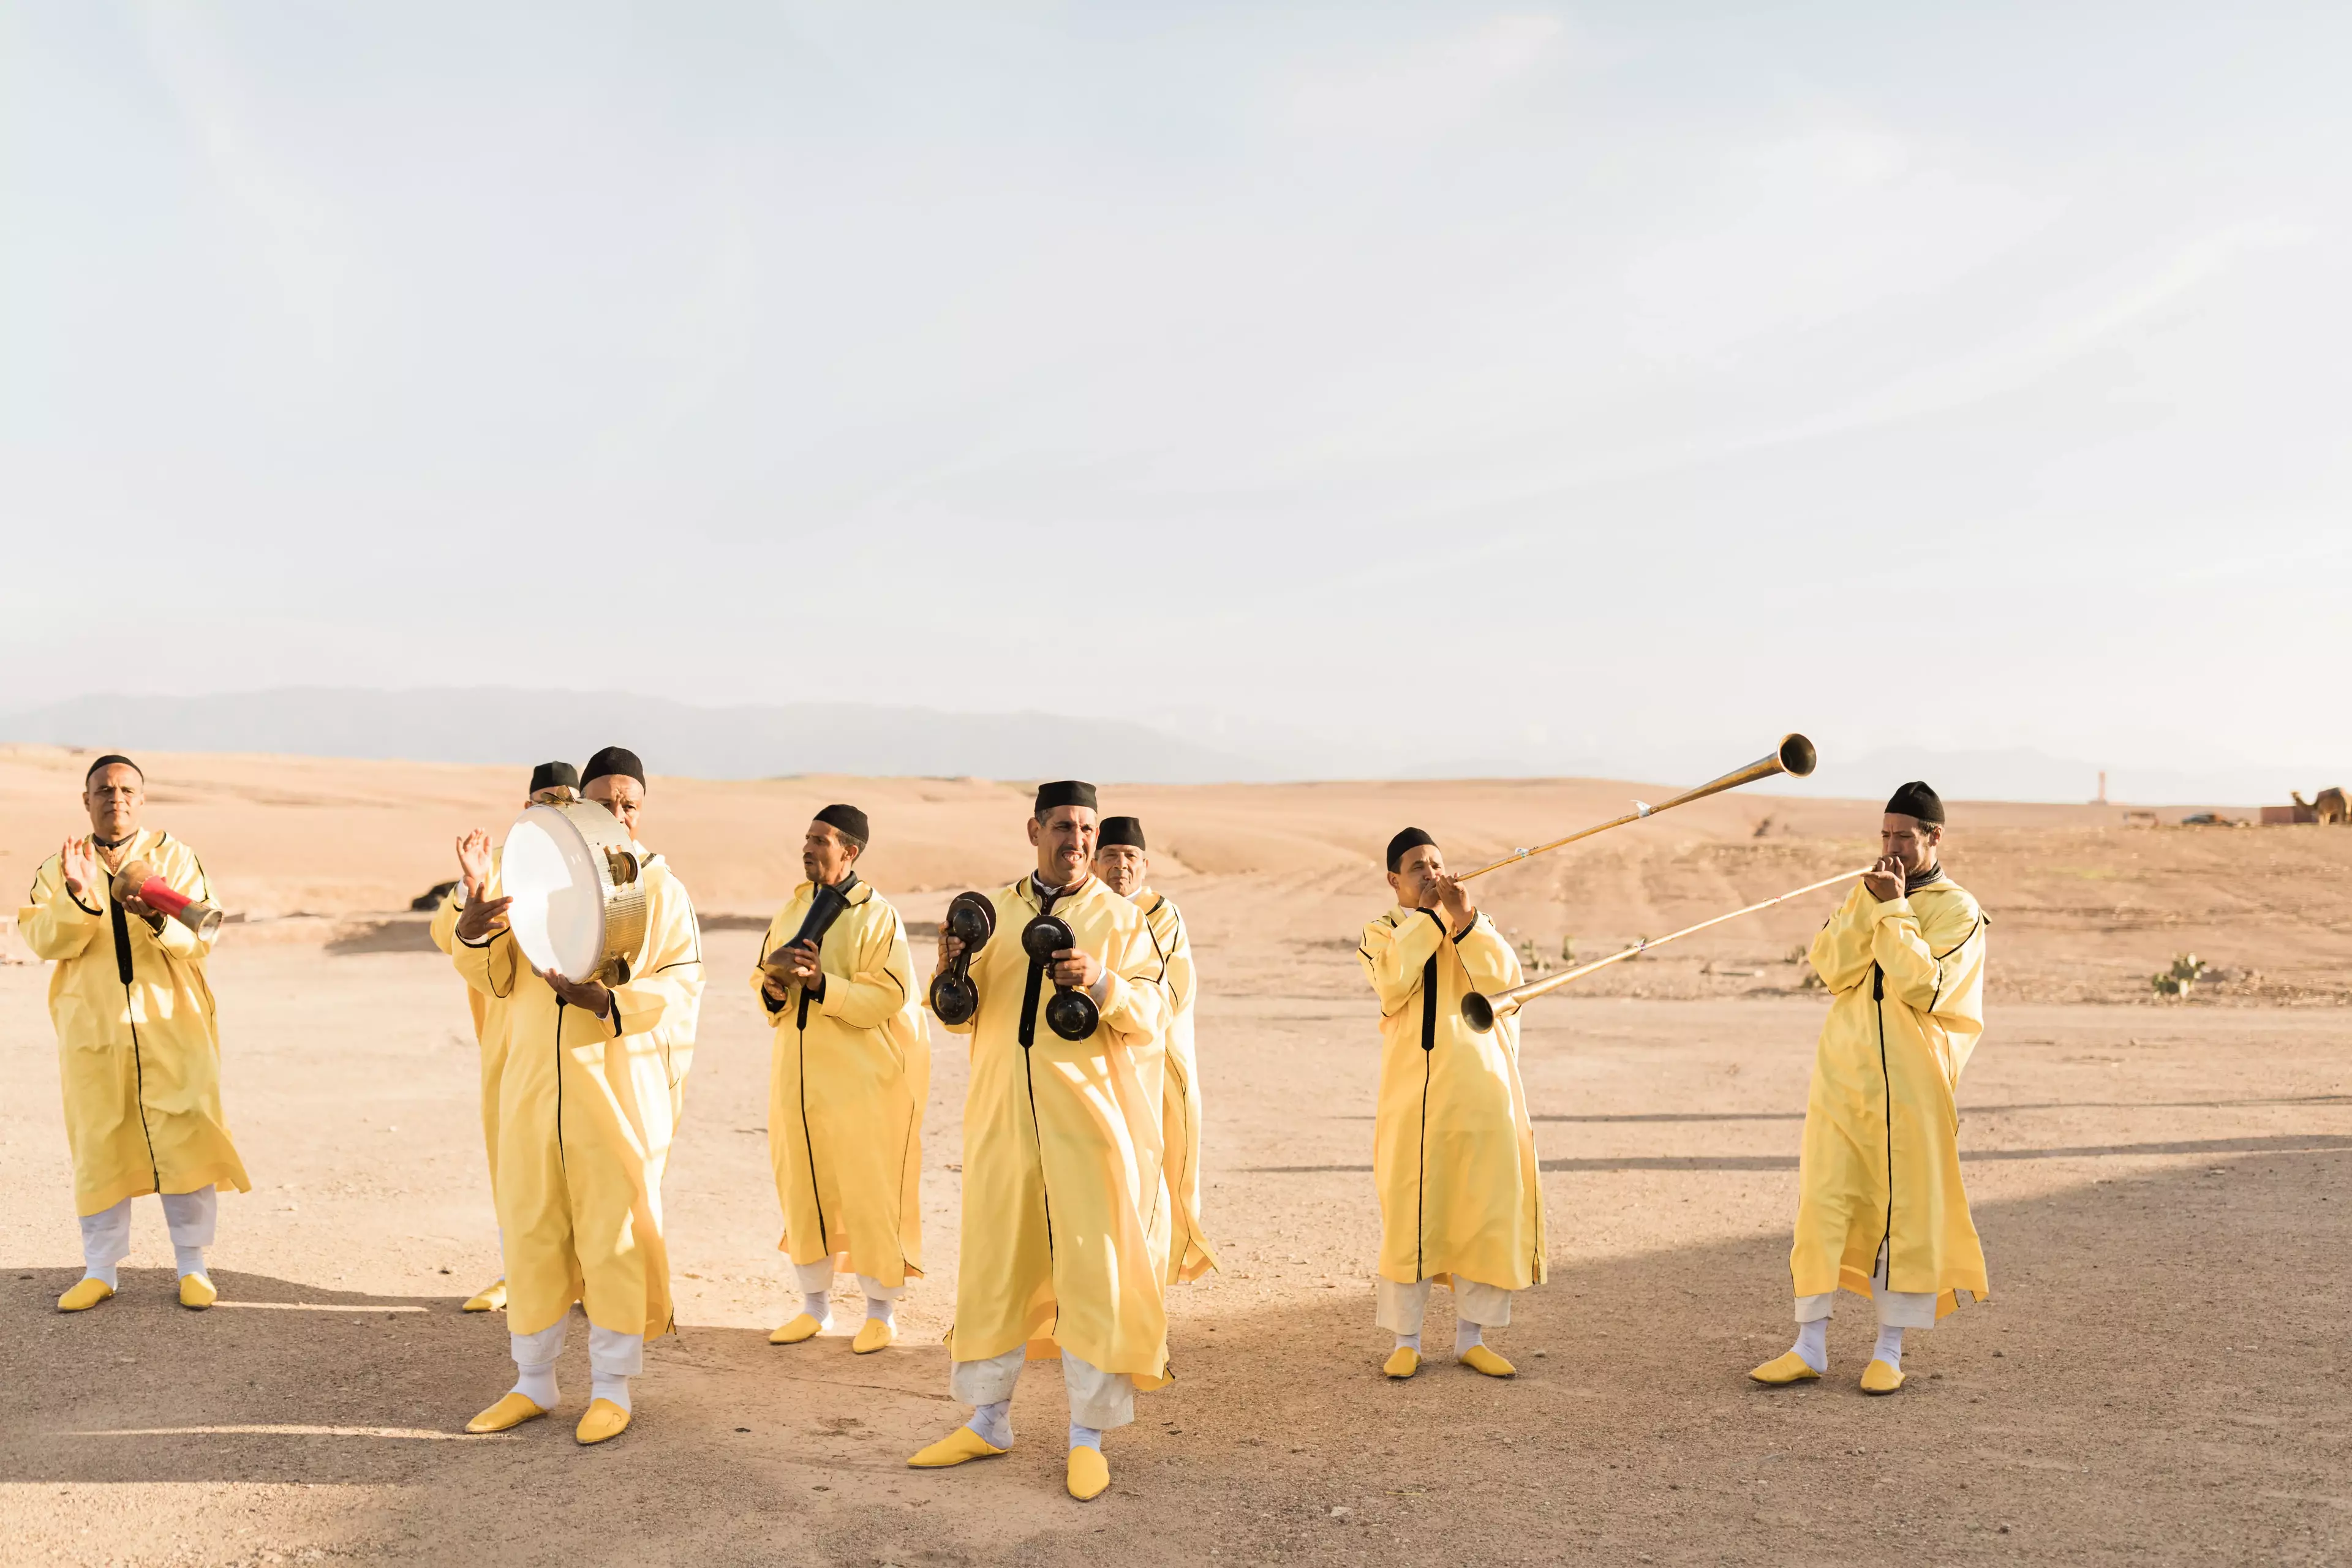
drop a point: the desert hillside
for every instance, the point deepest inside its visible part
(1276, 879)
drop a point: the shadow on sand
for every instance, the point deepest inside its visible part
(2167, 1332)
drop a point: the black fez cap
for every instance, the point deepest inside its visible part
(1063, 792)
(1120, 830)
(1916, 799)
(610, 761)
(113, 759)
(1409, 839)
(847, 821)
(553, 775)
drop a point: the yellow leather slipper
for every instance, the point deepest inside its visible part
(196, 1293)
(1880, 1378)
(86, 1293)
(1482, 1358)
(1785, 1368)
(603, 1421)
(958, 1446)
(511, 1410)
(489, 1299)
(1402, 1363)
(872, 1334)
(802, 1327)
(1089, 1474)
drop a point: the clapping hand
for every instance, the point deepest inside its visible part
(474, 863)
(78, 866)
(479, 918)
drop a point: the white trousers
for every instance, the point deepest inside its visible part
(1099, 1399)
(610, 1352)
(1896, 1309)
(1401, 1308)
(191, 1218)
(817, 1279)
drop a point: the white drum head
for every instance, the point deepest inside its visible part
(558, 914)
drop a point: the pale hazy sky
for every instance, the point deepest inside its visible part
(1606, 378)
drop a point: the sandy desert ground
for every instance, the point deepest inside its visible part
(2162, 1189)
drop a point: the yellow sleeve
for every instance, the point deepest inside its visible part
(1926, 962)
(1486, 957)
(1841, 950)
(444, 929)
(1175, 946)
(55, 924)
(179, 866)
(1135, 1005)
(1394, 956)
(884, 977)
(667, 976)
(490, 965)
(774, 939)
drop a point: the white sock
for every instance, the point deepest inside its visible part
(1466, 1335)
(1409, 1343)
(537, 1384)
(607, 1385)
(818, 1305)
(1889, 1348)
(1085, 1437)
(103, 1272)
(1814, 1344)
(993, 1422)
(885, 1313)
(190, 1259)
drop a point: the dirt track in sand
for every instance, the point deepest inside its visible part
(2162, 1193)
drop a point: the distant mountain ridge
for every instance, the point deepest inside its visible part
(508, 726)
(504, 725)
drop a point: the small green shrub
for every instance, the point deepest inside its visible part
(2181, 978)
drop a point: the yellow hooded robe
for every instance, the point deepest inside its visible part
(490, 1016)
(1189, 1255)
(1881, 1164)
(138, 1047)
(1065, 1212)
(1453, 1152)
(586, 1107)
(847, 1083)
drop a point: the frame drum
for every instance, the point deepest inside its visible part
(579, 893)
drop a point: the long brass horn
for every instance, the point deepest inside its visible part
(1794, 756)
(1480, 1011)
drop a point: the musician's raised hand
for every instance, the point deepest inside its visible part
(480, 917)
(78, 866)
(474, 862)
(950, 948)
(588, 996)
(1885, 880)
(800, 963)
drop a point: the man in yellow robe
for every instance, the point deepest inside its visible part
(478, 879)
(846, 1087)
(1124, 864)
(1062, 1191)
(1880, 1207)
(586, 1101)
(1453, 1150)
(138, 1048)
